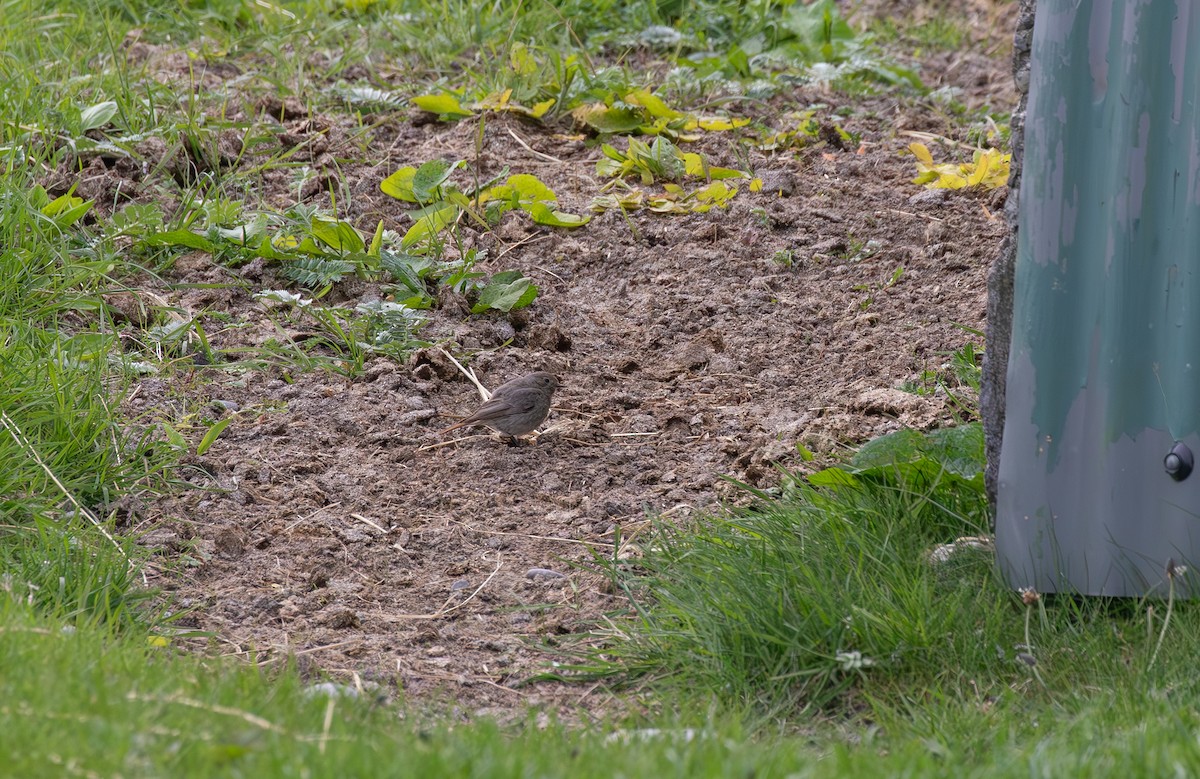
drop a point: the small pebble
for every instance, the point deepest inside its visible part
(331, 690)
(543, 573)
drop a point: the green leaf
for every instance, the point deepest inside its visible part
(955, 450)
(97, 116)
(603, 119)
(376, 240)
(315, 272)
(543, 214)
(174, 438)
(530, 188)
(406, 269)
(430, 224)
(444, 105)
(430, 177)
(400, 184)
(521, 61)
(505, 292)
(244, 234)
(212, 434)
(336, 234)
(180, 238)
(654, 105)
(739, 61)
(67, 209)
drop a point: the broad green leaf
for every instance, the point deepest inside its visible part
(181, 238)
(608, 168)
(336, 234)
(695, 165)
(430, 224)
(400, 184)
(67, 209)
(653, 104)
(267, 247)
(444, 105)
(97, 116)
(407, 269)
(543, 214)
(529, 188)
(505, 292)
(85, 347)
(603, 119)
(430, 177)
(738, 60)
(612, 152)
(664, 160)
(174, 438)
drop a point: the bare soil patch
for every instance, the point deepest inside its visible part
(330, 523)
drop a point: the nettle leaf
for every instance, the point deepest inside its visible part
(603, 119)
(400, 184)
(338, 235)
(506, 291)
(95, 117)
(444, 105)
(430, 177)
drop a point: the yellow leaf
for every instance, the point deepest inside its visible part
(539, 109)
(920, 151)
(654, 105)
(982, 163)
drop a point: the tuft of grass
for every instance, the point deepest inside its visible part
(790, 606)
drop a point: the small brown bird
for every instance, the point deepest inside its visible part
(516, 407)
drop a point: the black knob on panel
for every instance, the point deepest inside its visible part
(1179, 462)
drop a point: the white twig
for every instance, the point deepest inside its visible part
(470, 374)
(532, 150)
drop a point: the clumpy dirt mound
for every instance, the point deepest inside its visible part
(332, 520)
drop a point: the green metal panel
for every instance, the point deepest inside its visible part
(1103, 376)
